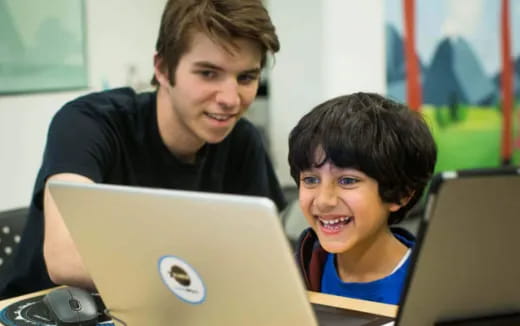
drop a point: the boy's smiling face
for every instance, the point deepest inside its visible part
(343, 206)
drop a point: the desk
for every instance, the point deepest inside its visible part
(314, 297)
(383, 309)
(6, 302)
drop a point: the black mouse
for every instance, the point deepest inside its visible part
(71, 306)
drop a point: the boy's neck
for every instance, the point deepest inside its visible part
(374, 261)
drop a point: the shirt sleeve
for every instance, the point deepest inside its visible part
(77, 142)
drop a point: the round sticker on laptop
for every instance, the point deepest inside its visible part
(182, 279)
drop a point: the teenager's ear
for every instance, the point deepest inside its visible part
(394, 207)
(161, 74)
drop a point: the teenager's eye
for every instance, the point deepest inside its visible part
(208, 74)
(347, 181)
(310, 180)
(247, 78)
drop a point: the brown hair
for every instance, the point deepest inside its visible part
(221, 20)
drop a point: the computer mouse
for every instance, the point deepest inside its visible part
(71, 306)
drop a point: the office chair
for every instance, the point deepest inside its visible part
(12, 223)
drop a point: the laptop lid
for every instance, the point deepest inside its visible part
(158, 256)
(465, 267)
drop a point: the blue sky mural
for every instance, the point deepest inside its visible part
(477, 21)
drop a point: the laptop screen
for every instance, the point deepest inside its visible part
(466, 264)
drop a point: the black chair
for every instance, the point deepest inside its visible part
(12, 223)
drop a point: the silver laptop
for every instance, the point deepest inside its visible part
(466, 267)
(161, 257)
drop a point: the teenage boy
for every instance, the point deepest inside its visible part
(187, 135)
(361, 161)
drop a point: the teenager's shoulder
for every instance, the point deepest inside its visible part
(116, 98)
(245, 135)
(106, 104)
(245, 127)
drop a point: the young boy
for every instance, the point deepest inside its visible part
(361, 161)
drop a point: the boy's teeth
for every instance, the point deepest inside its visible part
(335, 221)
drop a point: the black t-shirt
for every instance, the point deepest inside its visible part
(112, 137)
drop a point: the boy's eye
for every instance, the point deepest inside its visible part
(310, 180)
(346, 181)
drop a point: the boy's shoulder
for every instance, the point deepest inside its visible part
(307, 241)
(403, 235)
(310, 258)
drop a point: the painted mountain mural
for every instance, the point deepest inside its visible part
(456, 75)
(460, 51)
(395, 69)
(395, 65)
(516, 79)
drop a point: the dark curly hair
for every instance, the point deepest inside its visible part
(380, 137)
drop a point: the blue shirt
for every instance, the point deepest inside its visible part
(385, 290)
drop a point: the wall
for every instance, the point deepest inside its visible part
(119, 36)
(328, 48)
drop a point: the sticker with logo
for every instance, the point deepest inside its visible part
(182, 279)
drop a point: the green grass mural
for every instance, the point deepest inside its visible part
(467, 136)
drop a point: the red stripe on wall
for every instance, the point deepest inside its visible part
(413, 77)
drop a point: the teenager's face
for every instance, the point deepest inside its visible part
(213, 88)
(343, 207)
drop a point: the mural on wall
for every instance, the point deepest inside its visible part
(458, 61)
(42, 45)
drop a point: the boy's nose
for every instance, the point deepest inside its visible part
(327, 198)
(228, 95)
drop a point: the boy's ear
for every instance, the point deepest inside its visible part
(394, 207)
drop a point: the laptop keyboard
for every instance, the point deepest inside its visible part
(331, 316)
